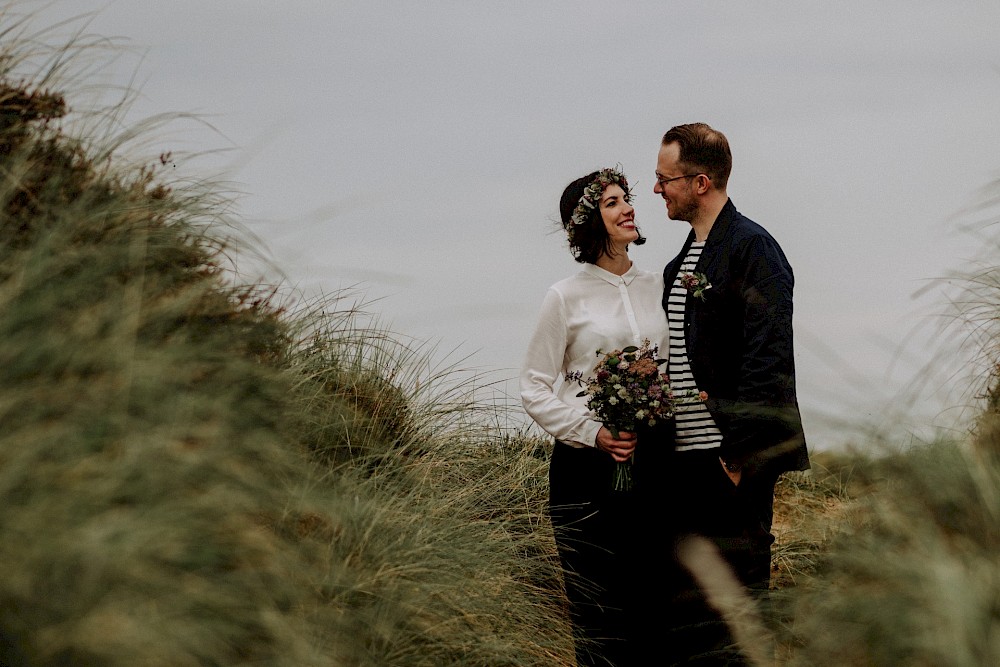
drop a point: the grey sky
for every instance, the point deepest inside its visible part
(421, 148)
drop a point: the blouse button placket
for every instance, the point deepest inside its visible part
(627, 302)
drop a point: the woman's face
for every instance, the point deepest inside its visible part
(618, 216)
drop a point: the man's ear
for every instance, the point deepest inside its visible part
(702, 184)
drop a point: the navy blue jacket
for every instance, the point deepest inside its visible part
(739, 343)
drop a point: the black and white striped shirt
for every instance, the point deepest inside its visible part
(695, 427)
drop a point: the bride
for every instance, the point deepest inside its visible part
(609, 304)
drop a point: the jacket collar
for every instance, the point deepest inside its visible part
(722, 223)
(720, 229)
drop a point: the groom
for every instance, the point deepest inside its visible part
(728, 298)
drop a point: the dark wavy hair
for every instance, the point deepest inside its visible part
(587, 241)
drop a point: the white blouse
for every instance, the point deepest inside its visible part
(594, 309)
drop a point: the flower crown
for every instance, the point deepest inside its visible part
(591, 198)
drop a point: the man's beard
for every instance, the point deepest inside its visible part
(683, 212)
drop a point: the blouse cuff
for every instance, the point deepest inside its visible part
(590, 433)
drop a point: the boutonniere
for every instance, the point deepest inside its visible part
(696, 283)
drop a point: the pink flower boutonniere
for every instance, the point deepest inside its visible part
(696, 283)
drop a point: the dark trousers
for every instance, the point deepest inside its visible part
(595, 531)
(698, 498)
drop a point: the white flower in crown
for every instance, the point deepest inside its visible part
(583, 209)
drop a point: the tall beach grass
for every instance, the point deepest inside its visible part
(195, 471)
(910, 572)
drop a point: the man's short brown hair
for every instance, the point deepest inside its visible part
(702, 149)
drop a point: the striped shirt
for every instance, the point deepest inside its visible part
(695, 427)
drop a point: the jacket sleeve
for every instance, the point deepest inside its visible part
(543, 367)
(767, 324)
(764, 415)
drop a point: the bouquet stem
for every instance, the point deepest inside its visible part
(623, 476)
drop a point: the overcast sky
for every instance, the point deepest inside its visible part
(419, 149)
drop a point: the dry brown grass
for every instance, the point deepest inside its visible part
(810, 509)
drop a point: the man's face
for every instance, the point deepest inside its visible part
(674, 185)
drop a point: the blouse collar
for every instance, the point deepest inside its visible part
(612, 278)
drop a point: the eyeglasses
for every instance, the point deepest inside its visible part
(663, 181)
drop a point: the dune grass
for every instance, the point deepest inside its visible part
(912, 577)
(909, 573)
(198, 472)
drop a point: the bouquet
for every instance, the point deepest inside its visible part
(628, 390)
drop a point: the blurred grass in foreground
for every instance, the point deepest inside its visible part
(193, 472)
(910, 575)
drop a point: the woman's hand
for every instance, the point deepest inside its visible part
(620, 448)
